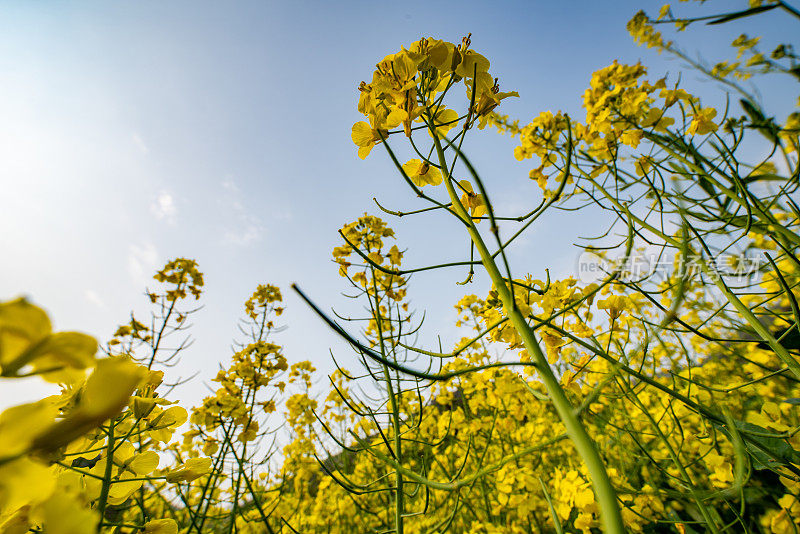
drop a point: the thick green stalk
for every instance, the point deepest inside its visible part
(610, 515)
(398, 482)
(399, 503)
(103, 499)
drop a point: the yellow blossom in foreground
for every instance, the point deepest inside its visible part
(365, 137)
(161, 526)
(473, 202)
(192, 469)
(421, 173)
(702, 122)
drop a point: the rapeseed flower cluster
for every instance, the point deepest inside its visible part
(655, 401)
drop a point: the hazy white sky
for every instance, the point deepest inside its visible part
(134, 132)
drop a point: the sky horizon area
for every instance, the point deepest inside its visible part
(137, 132)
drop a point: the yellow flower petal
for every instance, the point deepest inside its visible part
(144, 463)
(24, 482)
(20, 425)
(192, 469)
(161, 526)
(21, 324)
(65, 514)
(106, 393)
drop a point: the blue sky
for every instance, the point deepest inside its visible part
(134, 132)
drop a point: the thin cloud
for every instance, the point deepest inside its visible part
(95, 299)
(242, 227)
(139, 142)
(282, 214)
(229, 185)
(142, 262)
(163, 207)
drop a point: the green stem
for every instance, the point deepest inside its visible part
(103, 499)
(611, 517)
(399, 497)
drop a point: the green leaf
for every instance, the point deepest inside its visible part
(741, 14)
(766, 452)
